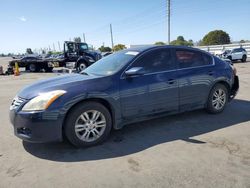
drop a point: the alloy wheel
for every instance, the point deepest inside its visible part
(90, 125)
(219, 99)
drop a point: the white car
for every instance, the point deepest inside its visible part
(237, 54)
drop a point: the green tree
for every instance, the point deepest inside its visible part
(180, 38)
(180, 41)
(160, 43)
(29, 51)
(242, 41)
(105, 49)
(77, 39)
(216, 37)
(119, 47)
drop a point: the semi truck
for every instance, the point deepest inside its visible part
(78, 54)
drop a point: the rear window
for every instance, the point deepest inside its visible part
(189, 58)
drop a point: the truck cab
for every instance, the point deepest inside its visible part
(80, 54)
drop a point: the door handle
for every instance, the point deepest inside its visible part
(211, 73)
(171, 81)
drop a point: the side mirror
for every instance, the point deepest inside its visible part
(135, 71)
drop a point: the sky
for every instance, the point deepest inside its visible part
(39, 24)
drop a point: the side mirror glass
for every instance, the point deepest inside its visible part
(135, 71)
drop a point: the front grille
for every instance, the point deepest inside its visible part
(17, 102)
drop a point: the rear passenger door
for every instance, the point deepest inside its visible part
(196, 74)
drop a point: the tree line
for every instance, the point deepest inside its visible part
(216, 37)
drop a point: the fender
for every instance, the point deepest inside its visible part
(111, 101)
(82, 59)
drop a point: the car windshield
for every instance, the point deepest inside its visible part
(111, 64)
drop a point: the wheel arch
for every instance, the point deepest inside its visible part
(102, 101)
(82, 60)
(225, 83)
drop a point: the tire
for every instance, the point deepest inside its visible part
(81, 131)
(216, 105)
(244, 58)
(34, 68)
(48, 69)
(81, 66)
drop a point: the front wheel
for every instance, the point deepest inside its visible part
(81, 66)
(217, 99)
(88, 124)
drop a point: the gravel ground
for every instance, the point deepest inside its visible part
(192, 149)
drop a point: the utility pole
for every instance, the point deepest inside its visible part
(59, 46)
(111, 35)
(84, 37)
(168, 14)
(54, 49)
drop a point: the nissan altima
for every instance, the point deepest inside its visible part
(128, 86)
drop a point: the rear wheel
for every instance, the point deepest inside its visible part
(244, 58)
(88, 124)
(217, 99)
(34, 68)
(48, 69)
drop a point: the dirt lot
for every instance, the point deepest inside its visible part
(193, 149)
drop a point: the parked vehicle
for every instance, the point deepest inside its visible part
(79, 54)
(125, 87)
(31, 63)
(236, 54)
(221, 53)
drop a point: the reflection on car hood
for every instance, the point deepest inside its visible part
(56, 83)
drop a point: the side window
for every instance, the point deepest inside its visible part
(237, 50)
(156, 61)
(189, 58)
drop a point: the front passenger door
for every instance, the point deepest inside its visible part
(154, 92)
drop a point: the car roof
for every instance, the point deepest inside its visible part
(146, 48)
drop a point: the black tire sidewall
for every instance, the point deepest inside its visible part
(210, 108)
(48, 69)
(32, 67)
(79, 65)
(244, 58)
(69, 128)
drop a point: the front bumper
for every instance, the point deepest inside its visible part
(235, 88)
(37, 127)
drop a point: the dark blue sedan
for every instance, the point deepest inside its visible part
(128, 86)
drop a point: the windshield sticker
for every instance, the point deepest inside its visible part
(132, 53)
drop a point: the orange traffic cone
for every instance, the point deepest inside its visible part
(16, 71)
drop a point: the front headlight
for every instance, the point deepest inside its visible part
(43, 101)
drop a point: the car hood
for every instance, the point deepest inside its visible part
(56, 83)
